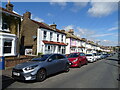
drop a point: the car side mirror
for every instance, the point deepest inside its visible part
(49, 60)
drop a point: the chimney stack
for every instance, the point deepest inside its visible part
(9, 6)
(63, 30)
(71, 31)
(53, 26)
(27, 15)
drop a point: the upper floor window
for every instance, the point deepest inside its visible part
(5, 26)
(58, 37)
(7, 46)
(62, 38)
(51, 36)
(44, 35)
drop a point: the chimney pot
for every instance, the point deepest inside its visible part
(9, 6)
(53, 26)
(71, 31)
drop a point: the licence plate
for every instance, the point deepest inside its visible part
(16, 74)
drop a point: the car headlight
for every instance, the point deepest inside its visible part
(29, 69)
(75, 60)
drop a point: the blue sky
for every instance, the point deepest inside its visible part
(92, 20)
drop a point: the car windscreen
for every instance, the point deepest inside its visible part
(40, 58)
(73, 55)
(88, 54)
(94, 54)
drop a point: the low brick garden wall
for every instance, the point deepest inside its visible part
(12, 61)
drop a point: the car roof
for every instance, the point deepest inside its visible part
(76, 52)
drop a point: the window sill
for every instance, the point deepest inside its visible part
(4, 30)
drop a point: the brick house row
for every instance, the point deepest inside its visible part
(22, 35)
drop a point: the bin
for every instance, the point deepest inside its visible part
(2, 63)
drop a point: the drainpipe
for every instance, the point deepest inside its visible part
(18, 40)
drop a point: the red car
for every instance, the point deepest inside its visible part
(77, 59)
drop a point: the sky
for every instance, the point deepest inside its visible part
(96, 21)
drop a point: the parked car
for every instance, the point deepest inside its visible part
(96, 56)
(40, 67)
(77, 59)
(105, 55)
(101, 55)
(90, 57)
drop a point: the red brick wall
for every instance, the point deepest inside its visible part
(10, 62)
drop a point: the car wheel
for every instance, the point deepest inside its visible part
(41, 75)
(79, 65)
(67, 68)
(86, 62)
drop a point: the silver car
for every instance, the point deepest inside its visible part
(40, 67)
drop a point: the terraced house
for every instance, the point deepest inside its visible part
(38, 37)
(9, 31)
(75, 44)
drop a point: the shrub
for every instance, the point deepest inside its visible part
(40, 54)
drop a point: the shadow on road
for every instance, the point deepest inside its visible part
(112, 59)
(6, 81)
(113, 64)
(34, 81)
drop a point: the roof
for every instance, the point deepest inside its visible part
(55, 43)
(81, 47)
(10, 12)
(69, 35)
(46, 26)
(73, 46)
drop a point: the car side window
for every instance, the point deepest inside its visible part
(60, 56)
(53, 57)
(83, 54)
(80, 54)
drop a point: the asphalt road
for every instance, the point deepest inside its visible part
(100, 74)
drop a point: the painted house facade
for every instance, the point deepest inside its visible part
(51, 41)
(74, 43)
(9, 31)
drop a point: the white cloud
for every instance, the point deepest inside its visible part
(17, 12)
(78, 5)
(100, 9)
(59, 0)
(85, 32)
(102, 35)
(113, 28)
(62, 4)
(68, 27)
(49, 14)
(108, 43)
(36, 18)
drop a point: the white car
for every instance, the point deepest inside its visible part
(90, 57)
(95, 56)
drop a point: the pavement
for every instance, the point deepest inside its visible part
(6, 73)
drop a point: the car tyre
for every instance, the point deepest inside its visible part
(86, 62)
(67, 68)
(79, 65)
(41, 75)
